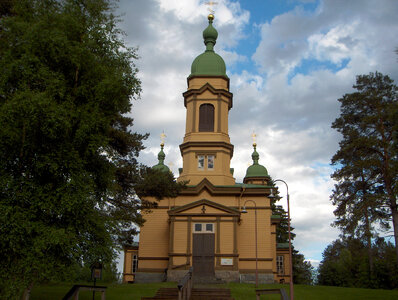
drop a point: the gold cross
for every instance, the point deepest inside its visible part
(162, 137)
(211, 3)
(254, 138)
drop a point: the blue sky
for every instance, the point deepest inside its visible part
(288, 61)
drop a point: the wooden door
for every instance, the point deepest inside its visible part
(203, 254)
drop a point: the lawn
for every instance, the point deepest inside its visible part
(239, 292)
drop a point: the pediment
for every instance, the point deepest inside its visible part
(203, 207)
(208, 88)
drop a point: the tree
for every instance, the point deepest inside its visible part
(68, 157)
(345, 263)
(302, 269)
(366, 189)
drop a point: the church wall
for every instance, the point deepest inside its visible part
(180, 237)
(154, 234)
(198, 82)
(226, 236)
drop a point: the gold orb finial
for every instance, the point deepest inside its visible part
(210, 17)
(254, 136)
(162, 137)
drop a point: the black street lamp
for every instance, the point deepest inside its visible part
(96, 273)
(290, 240)
(255, 232)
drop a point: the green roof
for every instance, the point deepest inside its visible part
(256, 170)
(209, 63)
(161, 166)
(282, 245)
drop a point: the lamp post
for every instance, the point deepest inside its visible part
(290, 240)
(255, 232)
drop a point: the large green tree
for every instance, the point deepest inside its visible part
(367, 162)
(345, 263)
(68, 157)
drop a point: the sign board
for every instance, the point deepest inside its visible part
(227, 261)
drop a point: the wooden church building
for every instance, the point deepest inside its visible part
(224, 229)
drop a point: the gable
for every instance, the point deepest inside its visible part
(203, 207)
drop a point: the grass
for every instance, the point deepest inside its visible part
(240, 291)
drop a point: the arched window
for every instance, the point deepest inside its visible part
(206, 117)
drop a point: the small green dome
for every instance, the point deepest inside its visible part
(209, 63)
(256, 170)
(161, 166)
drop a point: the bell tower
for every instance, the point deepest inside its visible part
(206, 149)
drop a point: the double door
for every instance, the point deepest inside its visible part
(203, 254)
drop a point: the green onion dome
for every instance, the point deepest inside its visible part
(209, 63)
(161, 156)
(256, 170)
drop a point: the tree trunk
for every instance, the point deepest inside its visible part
(369, 242)
(394, 214)
(26, 292)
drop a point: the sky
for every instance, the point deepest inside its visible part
(289, 61)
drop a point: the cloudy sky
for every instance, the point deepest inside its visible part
(288, 62)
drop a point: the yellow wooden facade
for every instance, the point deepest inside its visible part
(166, 242)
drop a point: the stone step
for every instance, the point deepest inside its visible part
(197, 294)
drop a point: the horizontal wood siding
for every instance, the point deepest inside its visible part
(154, 234)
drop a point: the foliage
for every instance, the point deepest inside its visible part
(302, 270)
(68, 157)
(345, 264)
(239, 291)
(282, 233)
(367, 162)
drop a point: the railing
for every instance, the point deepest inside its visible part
(281, 292)
(185, 286)
(74, 291)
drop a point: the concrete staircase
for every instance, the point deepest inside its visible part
(197, 294)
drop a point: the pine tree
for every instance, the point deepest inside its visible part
(366, 189)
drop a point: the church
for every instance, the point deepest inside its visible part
(223, 229)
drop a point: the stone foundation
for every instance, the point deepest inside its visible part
(227, 276)
(141, 277)
(262, 278)
(176, 275)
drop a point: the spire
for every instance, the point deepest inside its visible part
(255, 170)
(255, 155)
(209, 63)
(161, 156)
(210, 34)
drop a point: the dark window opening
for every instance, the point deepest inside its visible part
(206, 117)
(198, 227)
(135, 263)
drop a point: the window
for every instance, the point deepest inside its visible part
(279, 265)
(206, 117)
(210, 162)
(198, 227)
(201, 162)
(203, 228)
(206, 160)
(134, 264)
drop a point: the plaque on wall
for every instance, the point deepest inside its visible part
(227, 261)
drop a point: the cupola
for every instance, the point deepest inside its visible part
(209, 63)
(256, 173)
(161, 156)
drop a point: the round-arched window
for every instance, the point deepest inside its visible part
(206, 117)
